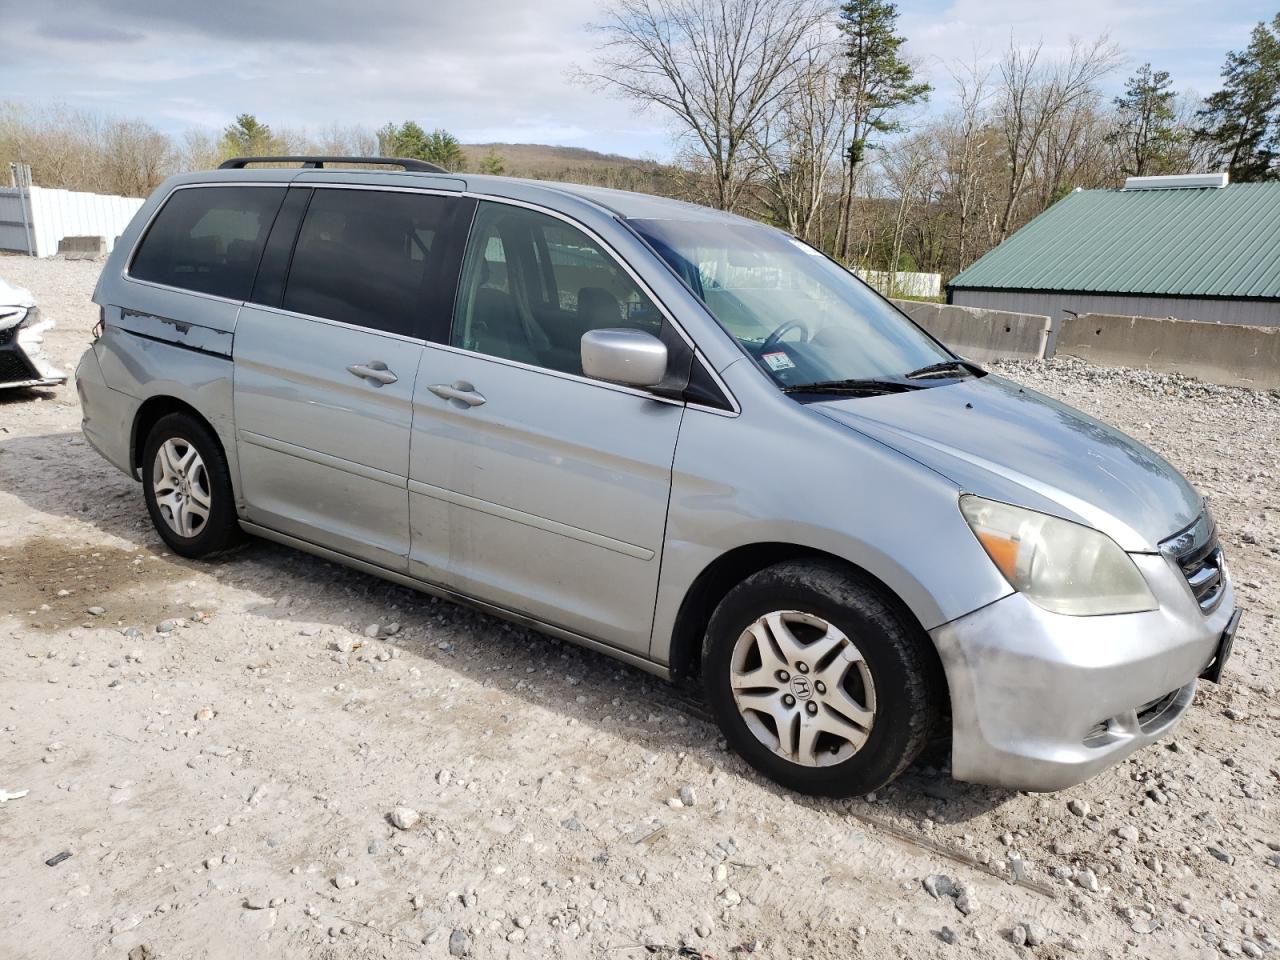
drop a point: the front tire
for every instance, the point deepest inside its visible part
(818, 681)
(188, 487)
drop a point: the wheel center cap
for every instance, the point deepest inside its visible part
(801, 688)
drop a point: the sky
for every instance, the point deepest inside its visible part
(492, 71)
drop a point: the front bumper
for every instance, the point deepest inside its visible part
(22, 359)
(1042, 701)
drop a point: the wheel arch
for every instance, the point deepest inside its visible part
(149, 414)
(732, 567)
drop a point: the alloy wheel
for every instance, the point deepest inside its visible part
(803, 688)
(180, 484)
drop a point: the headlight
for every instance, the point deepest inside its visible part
(1061, 566)
(23, 315)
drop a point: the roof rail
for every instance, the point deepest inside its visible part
(316, 163)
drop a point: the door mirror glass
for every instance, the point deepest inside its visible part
(621, 355)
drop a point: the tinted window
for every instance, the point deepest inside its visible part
(370, 259)
(208, 239)
(532, 286)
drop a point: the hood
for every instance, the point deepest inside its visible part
(997, 439)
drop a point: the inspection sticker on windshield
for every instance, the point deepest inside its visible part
(778, 361)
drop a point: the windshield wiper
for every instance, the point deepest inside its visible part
(945, 366)
(867, 387)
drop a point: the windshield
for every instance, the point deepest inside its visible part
(800, 316)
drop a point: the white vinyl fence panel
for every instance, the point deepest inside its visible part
(904, 284)
(54, 214)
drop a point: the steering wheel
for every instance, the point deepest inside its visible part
(781, 331)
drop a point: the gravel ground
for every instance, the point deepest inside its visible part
(274, 756)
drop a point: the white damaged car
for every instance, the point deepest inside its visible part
(22, 329)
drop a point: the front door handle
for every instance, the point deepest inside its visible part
(375, 371)
(459, 390)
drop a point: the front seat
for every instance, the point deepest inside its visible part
(496, 328)
(598, 309)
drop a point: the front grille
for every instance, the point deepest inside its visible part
(1146, 718)
(8, 335)
(1199, 557)
(13, 367)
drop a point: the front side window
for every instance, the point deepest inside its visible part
(532, 285)
(801, 317)
(208, 239)
(368, 258)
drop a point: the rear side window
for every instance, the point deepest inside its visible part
(208, 239)
(371, 259)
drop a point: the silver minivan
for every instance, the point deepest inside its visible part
(671, 434)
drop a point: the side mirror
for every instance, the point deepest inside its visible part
(630, 357)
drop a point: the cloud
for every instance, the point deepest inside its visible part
(498, 69)
(80, 32)
(491, 71)
(1185, 37)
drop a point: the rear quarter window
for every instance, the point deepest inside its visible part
(208, 239)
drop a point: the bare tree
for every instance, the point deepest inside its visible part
(718, 67)
(135, 158)
(968, 139)
(911, 171)
(1074, 152)
(199, 150)
(798, 146)
(1033, 96)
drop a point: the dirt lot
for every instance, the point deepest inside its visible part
(222, 747)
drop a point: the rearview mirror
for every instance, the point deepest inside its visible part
(630, 357)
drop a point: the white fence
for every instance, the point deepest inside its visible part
(51, 215)
(903, 284)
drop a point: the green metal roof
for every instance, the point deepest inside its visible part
(1214, 242)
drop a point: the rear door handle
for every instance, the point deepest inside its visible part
(375, 371)
(459, 390)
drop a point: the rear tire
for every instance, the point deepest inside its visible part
(818, 681)
(188, 487)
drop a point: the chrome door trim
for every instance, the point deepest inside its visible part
(603, 384)
(530, 520)
(426, 586)
(323, 459)
(279, 311)
(323, 185)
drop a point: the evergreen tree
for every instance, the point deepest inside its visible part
(1241, 122)
(407, 140)
(442, 148)
(493, 164)
(1147, 130)
(248, 138)
(877, 82)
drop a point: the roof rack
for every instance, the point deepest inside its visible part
(316, 163)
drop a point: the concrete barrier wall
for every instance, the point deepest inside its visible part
(982, 335)
(1224, 353)
(82, 248)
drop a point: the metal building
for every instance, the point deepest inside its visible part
(1191, 247)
